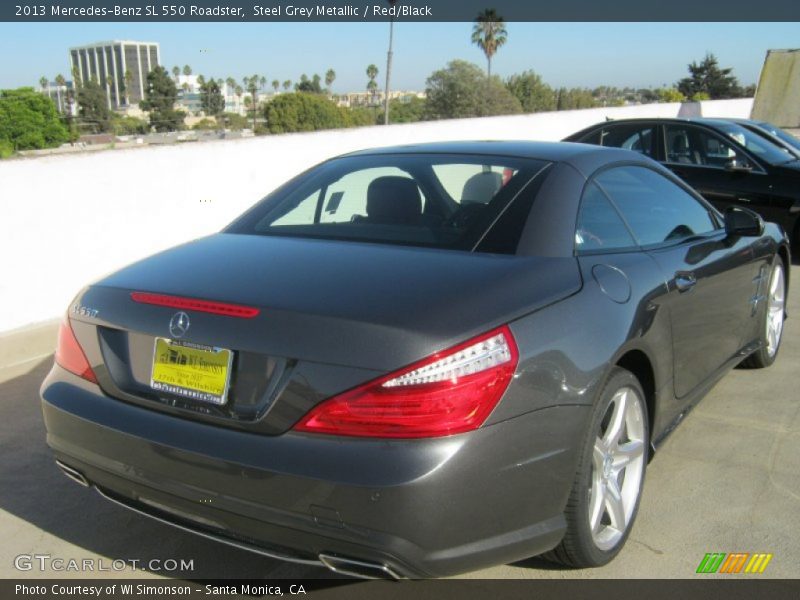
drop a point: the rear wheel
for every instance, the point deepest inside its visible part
(605, 494)
(772, 324)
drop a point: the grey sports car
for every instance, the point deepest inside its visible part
(418, 361)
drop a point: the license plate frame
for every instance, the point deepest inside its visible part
(181, 378)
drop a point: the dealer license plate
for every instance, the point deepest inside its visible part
(191, 370)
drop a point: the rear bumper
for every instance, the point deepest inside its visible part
(422, 508)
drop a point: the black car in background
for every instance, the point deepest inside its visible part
(773, 133)
(729, 163)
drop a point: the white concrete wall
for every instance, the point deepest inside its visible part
(67, 220)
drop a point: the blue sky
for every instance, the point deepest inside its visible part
(569, 54)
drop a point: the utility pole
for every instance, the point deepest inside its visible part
(388, 66)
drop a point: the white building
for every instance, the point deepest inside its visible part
(121, 67)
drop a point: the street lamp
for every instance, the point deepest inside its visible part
(388, 66)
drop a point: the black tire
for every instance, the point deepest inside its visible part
(579, 547)
(766, 354)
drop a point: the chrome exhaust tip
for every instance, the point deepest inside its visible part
(73, 474)
(358, 568)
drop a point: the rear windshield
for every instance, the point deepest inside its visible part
(464, 202)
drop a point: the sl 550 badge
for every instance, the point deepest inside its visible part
(84, 311)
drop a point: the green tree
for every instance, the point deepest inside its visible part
(489, 33)
(409, 111)
(29, 121)
(176, 71)
(205, 125)
(361, 116)
(61, 81)
(533, 94)
(330, 77)
(251, 85)
(76, 77)
(262, 82)
(121, 125)
(574, 98)
(287, 85)
(93, 107)
(303, 112)
(187, 70)
(372, 85)
(707, 77)
(128, 85)
(211, 99)
(462, 90)
(309, 86)
(275, 86)
(669, 95)
(234, 121)
(43, 81)
(160, 97)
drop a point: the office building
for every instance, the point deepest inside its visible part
(120, 67)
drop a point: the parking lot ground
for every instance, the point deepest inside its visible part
(727, 480)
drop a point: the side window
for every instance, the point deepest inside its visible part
(599, 225)
(694, 146)
(656, 209)
(637, 137)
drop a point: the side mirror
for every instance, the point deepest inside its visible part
(743, 222)
(737, 166)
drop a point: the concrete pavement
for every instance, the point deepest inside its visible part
(728, 480)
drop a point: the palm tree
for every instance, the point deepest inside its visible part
(60, 82)
(201, 80)
(176, 72)
(43, 81)
(251, 85)
(109, 87)
(187, 70)
(489, 33)
(128, 85)
(372, 85)
(239, 91)
(275, 85)
(76, 77)
(330, 77)
(262, 82)
(287, 84)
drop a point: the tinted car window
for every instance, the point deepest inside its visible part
(656, 209)
(755, 143)
(404, 199)
(637, 137)
(695, 146)
(599, 225)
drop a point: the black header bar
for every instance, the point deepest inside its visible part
(403, 10)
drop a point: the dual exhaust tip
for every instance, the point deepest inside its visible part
(337, 564)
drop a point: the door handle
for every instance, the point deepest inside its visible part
(684, 281)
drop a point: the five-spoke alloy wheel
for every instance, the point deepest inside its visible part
(608, 485)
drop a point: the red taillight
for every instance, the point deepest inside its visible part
(69, 353)
(450, 392)
(209, 306)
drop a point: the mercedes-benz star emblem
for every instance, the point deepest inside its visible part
(179, 324)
